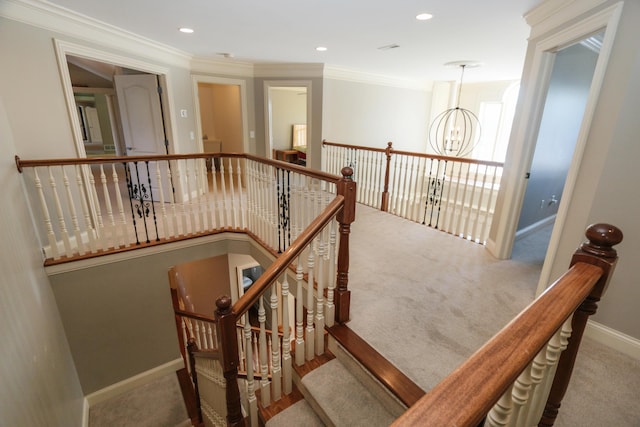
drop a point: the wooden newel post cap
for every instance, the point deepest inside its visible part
(347, 172)
(223, 303)
(602, 238)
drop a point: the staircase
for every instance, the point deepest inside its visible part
(341, 391)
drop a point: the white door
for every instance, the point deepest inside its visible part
(143, 130)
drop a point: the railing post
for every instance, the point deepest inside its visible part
(346, 187)
(384, 205)
(597, 251)
(191, 347)
(229, 349)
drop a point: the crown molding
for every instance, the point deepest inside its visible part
(46, 15)
(336, 73)
(289, 70)
(551, 14)
(204, 65)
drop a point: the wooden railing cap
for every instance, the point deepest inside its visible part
(347, 172)
(602, 237)
(223, 303)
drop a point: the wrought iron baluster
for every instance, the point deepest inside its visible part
(284, 200)
(153, 206)
(130, 189)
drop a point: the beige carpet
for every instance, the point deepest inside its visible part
(426, 301)
(155, 404)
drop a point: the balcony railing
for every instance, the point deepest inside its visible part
(452, 194)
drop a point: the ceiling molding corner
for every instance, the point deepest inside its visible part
(551, 14)
(46, 15)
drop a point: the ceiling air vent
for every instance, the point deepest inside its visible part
(389, 47)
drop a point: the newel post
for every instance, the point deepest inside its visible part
(226, 323)
(346, 187)
(597, 251)
(384, 205)
(191, 348)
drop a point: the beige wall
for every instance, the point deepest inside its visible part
(372, 115)
(288, 107)
(40, 385)
(607, 187)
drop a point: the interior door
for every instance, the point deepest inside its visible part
(143, 130)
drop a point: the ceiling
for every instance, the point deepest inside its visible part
(492, 32)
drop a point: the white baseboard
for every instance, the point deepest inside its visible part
(534, 227)
(614, 339)
(85, 413)
(133, 382)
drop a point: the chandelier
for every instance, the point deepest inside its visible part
(456, 131)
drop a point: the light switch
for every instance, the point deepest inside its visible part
(252, 134)
(183, 113)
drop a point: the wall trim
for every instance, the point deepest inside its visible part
(134, 382)
(142, 252)
(85, 412)
(530, 229)
(65, 21)
(553, 13)
(612, 338)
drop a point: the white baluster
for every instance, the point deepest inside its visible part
(265, 391)
(521, 394)
(121, 213)
(251, 394)
(183, 210)
(225, 201)
(61, 223)
(500, 414)
(163, 209)
(331, 308)
(233, 204)
(189, 198)
(53, 244)
(107, 204)
(91, 190)
(210, 344)
(197, 333)
(299, 316)
(310, 303)
(276, 372)
(241, 202)
(287, 374)
(320, 298)
(538, 366)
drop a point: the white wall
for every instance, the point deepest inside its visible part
(372, 115)
(607, 187)
(39, 384)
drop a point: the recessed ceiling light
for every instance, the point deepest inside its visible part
(424, 16)
(321, 49)
(186, 30)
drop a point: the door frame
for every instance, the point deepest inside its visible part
(200, 78)
(525, 131)
(268, 84)
(64, 48)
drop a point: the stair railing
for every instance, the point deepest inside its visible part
(91, 207)
(519, 377)
(453, 194)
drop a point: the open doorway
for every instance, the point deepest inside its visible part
(564, 107)
(287, 120)
(562, 116)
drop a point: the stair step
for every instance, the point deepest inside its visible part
(343, 398)
(300, 413)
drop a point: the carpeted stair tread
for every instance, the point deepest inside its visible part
(299, 414)
(343, 398)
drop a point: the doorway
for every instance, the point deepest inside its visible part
(287, 119)
(562, 116)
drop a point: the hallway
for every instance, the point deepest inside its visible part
(427, 301)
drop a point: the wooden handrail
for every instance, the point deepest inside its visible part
(415, 154)
(465, 396)
(21, 164)
(286, 258)
(196, 316)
